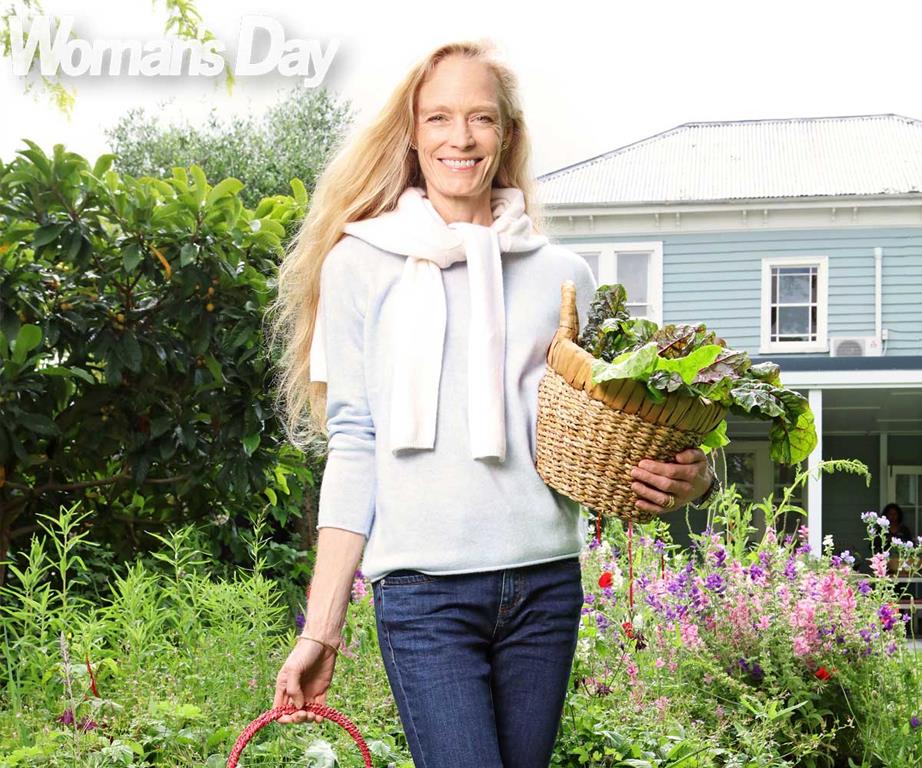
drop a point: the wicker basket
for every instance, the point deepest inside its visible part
(589, 437)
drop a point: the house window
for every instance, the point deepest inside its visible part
(638, 267)
(794, 304)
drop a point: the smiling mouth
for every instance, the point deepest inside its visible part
(460, 165)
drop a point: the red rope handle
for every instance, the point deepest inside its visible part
(274, 714)
(630, 565)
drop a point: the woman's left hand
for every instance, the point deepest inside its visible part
(686, 479)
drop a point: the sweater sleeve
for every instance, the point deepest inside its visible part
(347, 491)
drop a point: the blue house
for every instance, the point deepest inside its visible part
(800, 241)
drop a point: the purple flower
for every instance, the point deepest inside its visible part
(914, 721)
(714, 582)
(864, 587)
(720, 555)
(659, 545)
(299, 622)
(756, 672)
(790, 569)
(887, 617)
(601, 621)
(755, 572)
(595, 543)
(86, 724)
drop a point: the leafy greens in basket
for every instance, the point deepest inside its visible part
(693, 361)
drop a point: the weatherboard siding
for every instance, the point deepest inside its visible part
(716, 278)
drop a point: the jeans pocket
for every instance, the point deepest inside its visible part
(405, 576)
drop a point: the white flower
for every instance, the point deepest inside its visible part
(827, 541)
(617, 578)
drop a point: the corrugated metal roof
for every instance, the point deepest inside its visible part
(750, 159)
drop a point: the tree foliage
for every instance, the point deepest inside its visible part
(133, 373)
(293, 138)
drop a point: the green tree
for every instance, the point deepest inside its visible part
(133, 369)
(293, 138)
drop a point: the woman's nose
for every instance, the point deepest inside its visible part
(461, 134)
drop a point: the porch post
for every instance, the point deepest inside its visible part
(883, 474)
(815, 484)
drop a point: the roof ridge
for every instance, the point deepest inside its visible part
(713, 123)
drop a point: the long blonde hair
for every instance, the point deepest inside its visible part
(363, 179)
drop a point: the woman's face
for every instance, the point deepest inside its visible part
(458, 121)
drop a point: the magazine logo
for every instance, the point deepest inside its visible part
(75, 56)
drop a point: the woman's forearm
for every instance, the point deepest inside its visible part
(338, 555)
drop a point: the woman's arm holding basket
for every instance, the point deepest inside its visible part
(347, 492)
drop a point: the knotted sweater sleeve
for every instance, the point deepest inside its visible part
(347, 491)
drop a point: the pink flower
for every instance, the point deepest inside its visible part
(801, 646)
(359, 590)
(879, 564)
(689, 632)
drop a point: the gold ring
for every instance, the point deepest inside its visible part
(671, 502)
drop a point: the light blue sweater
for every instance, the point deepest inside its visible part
(440, 511)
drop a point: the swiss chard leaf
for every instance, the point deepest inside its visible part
(638, 364)
(608, 304)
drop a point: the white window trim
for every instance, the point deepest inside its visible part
(822, 304)
(608, 268)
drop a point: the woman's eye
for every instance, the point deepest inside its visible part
(437, 117)
(485, 118)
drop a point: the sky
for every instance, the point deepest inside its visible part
(595, 76)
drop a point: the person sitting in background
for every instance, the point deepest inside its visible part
(896, 530)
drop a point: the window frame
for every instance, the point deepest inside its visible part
(822, 304)
(608, 268)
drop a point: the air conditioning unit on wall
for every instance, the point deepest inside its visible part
(855, 346)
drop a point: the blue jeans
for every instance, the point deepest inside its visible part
(479, 662)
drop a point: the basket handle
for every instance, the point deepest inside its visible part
(274, 714)
(569, 320)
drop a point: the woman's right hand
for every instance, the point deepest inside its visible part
(303, 679)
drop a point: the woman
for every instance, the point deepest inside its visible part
(897, 529)
(438, 297)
